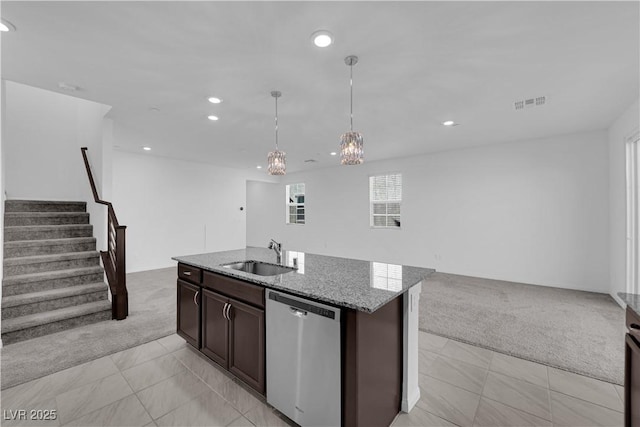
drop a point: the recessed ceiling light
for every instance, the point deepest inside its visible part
(212, 118)
(322, 38)
(333, 153)
(450, 123)
(215, 100)
(258, 167)
(6, 26)
(146, 148)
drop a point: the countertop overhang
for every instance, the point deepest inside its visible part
(632, 300)
(344, 282)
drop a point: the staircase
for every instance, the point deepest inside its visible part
(52, 275)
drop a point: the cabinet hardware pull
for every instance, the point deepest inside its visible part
(224, 311)
(229, 312)
(195, 298)
(186, 273)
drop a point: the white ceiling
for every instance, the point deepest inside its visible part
(420, 63)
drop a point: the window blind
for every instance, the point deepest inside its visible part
(385, 195)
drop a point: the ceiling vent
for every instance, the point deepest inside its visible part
(530, 103)
(311, 161)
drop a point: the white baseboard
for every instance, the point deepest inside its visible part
(410, 402)
(617, 299)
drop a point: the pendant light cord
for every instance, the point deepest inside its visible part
(276, 122)
(351, 84)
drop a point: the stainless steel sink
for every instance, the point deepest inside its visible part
(259, 268)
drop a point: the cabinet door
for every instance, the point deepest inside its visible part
(246, 344)
(215, 327)
(189, 313)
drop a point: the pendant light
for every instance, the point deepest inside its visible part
(351, 151)
(276, 160)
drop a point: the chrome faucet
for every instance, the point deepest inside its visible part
(277, 247)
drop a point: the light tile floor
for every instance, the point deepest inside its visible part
(166, 383)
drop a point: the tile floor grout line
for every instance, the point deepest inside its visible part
(518, 409)
(101, 407)
(144, 407)
(475, 415)
(71, 387)
(158, 382)
(587, 401)
(216, 391)
(522, 379)
(179, 406)
(456, 385)
(138, 363)
(439, 416)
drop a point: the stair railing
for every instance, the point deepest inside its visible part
(113, 258)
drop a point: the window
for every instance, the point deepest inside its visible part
(385, 196)
(295, 204)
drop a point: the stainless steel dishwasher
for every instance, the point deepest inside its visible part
(303, 359)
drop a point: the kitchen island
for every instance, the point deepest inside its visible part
(221, 312)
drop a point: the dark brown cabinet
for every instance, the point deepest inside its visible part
(246, 344)
(632, 371)
(189, 312)
(215, 329)
(233, 336)
(224, 319)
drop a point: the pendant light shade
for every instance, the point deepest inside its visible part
(351, 143)
(276, 160)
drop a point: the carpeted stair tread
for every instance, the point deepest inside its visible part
(49, 262)
(33, 297)
(48, 242)
(40, 232)
(38, 277)
(50, 258)
(48, 227)
(52, 275)
(39, 319)
(20, 248)
(45, 218)
(44, 206)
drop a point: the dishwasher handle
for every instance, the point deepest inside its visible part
(302, 306)
(297, 312)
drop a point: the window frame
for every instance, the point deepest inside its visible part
(297, 205)
(386, 202)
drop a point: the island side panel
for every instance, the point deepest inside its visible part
(372, 371)
(410, 377)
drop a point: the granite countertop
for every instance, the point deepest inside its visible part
(632, 300)
(361, 285)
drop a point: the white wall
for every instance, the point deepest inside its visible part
(43, 134)
(174, 207)
(2, 179)
(532, 211)
(619, 131)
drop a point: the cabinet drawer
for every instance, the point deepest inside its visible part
(237, 289)
(633, 319)
(190, 274)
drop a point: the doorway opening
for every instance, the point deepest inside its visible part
(633, 213)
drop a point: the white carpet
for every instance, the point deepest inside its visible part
(581, 332)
